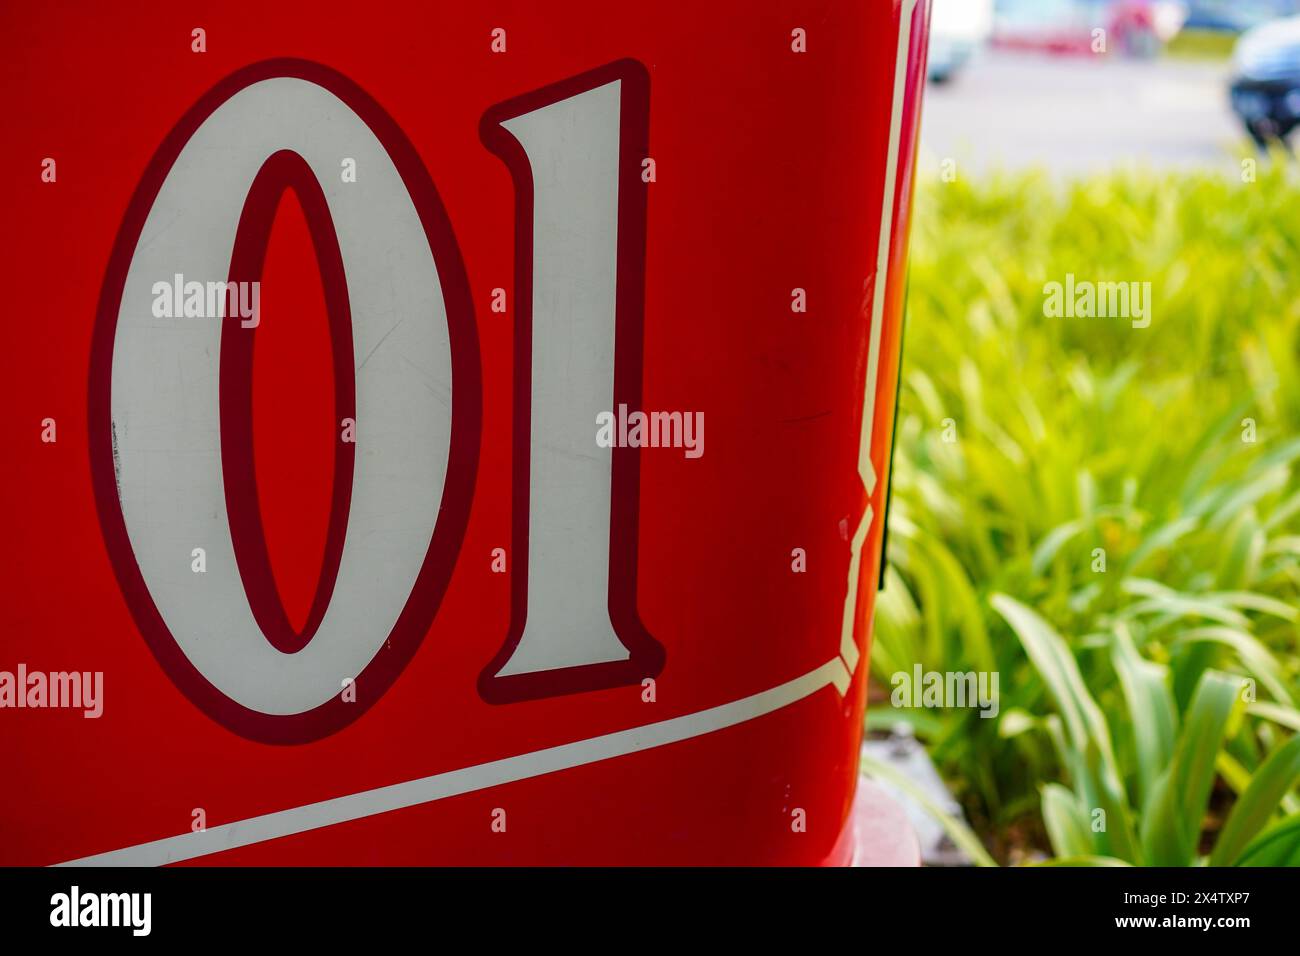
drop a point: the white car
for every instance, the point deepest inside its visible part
(957, 29)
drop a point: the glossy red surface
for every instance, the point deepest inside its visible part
(770, 176)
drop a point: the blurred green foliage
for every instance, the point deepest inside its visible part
(1202, 44)
(1031, 449)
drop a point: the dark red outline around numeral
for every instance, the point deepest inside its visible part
(435, 573)
(647, 655)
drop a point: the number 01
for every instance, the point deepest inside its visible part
(171, 401)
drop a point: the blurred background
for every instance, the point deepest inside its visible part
(1106, 516)
(1083, 85)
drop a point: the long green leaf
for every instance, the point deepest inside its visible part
(1066, 822)
(1279, 845)
(1173, 814)
(1284, 716)
(1097, 776)
(1254, 808)
(1150, 707)
(1083, 861)
(1257, 658)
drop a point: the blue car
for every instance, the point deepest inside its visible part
(1266, 80)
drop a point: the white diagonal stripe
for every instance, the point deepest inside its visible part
(482, 776)
(848, 646)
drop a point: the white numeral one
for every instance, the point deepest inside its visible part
(573, 148)
(573, 151)
(166, 414)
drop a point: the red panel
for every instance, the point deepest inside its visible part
(771, 170)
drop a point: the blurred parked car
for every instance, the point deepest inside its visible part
(957, 29)
(1133, 27)
(1266, 80)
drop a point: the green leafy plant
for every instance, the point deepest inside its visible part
(1107, 516)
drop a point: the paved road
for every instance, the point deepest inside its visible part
(1072, 115)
